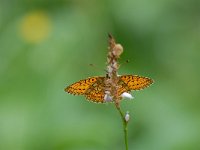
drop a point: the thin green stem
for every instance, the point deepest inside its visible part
(125, 123)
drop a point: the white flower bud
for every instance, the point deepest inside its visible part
(127, 95)
(127, 116)
(107, 97)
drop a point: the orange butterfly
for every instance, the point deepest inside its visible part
(93, 88)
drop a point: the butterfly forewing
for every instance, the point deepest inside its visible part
(80, 87)
(135, 82)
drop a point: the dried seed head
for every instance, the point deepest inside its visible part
(109, 69)
(115, 65)
(117, 50)
(111, 83)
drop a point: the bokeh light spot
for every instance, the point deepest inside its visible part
(35, 27)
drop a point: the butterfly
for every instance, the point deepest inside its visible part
(93, 88)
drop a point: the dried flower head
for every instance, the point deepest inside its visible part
(117, 50)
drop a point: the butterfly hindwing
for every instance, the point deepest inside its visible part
(122, 87)
(96, 91)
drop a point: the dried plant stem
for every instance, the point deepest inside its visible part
(112, 86)
(125, 124)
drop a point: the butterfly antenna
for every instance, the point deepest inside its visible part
(125, 62)
(110, 35)
(97, 68)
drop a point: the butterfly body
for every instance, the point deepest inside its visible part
(94, 88)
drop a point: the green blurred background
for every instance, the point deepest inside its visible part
(47, 45)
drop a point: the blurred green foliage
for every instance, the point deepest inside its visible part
(46, 45)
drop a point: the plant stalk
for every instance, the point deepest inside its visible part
(125, 123)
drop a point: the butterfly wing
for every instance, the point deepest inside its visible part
(80, 87)
(96, 91)
(122, 87)
(135, 82)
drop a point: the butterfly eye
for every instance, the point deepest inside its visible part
(107, 76)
